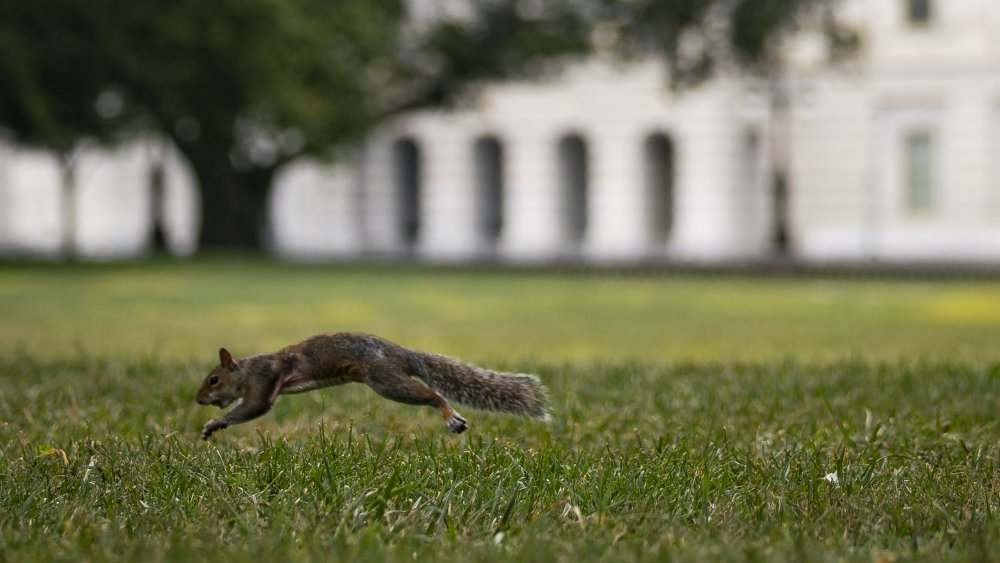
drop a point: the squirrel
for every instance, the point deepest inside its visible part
(389, 369)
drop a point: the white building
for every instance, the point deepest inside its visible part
(895, 157)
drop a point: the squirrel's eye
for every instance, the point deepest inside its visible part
(214, 380)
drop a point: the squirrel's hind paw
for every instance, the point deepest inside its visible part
(456, 423)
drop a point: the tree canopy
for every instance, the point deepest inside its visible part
(699, 38)
(51, 75)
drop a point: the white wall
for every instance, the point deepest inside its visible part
(849, 129)
(111, 201)
(32, 201)
(315, 210)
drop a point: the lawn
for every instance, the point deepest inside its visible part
(695, 418)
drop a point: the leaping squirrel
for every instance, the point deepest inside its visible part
(390, 369)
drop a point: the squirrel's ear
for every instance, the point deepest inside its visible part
(225, 358)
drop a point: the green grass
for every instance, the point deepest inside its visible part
(188, 310)
(695, 418)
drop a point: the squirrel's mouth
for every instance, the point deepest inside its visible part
(222, 403)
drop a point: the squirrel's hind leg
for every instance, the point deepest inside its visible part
(405, 389)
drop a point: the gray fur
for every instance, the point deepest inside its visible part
(514, 393)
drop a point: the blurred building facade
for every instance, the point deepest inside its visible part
(893, 157)
(113, 210)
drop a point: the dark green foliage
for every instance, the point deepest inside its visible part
(503, 40)
(51, 74)
(698, 39)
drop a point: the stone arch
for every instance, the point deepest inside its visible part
(488, 155)
(574, 180)
(659, 179)
(407, 183)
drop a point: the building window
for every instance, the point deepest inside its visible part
(574, 178)
(488, 155)
(919, 12)
(406, 171)
(658, 154)
(919, 173)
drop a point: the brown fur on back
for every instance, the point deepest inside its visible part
(353, 356)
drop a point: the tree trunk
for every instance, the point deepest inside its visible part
(67, 170)
(157, 236)
(234, 213)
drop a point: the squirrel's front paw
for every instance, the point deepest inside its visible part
(456, 423)
(210, 427)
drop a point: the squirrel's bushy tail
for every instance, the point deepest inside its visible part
(515, 393)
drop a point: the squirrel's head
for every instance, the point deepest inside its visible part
(220, 388)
